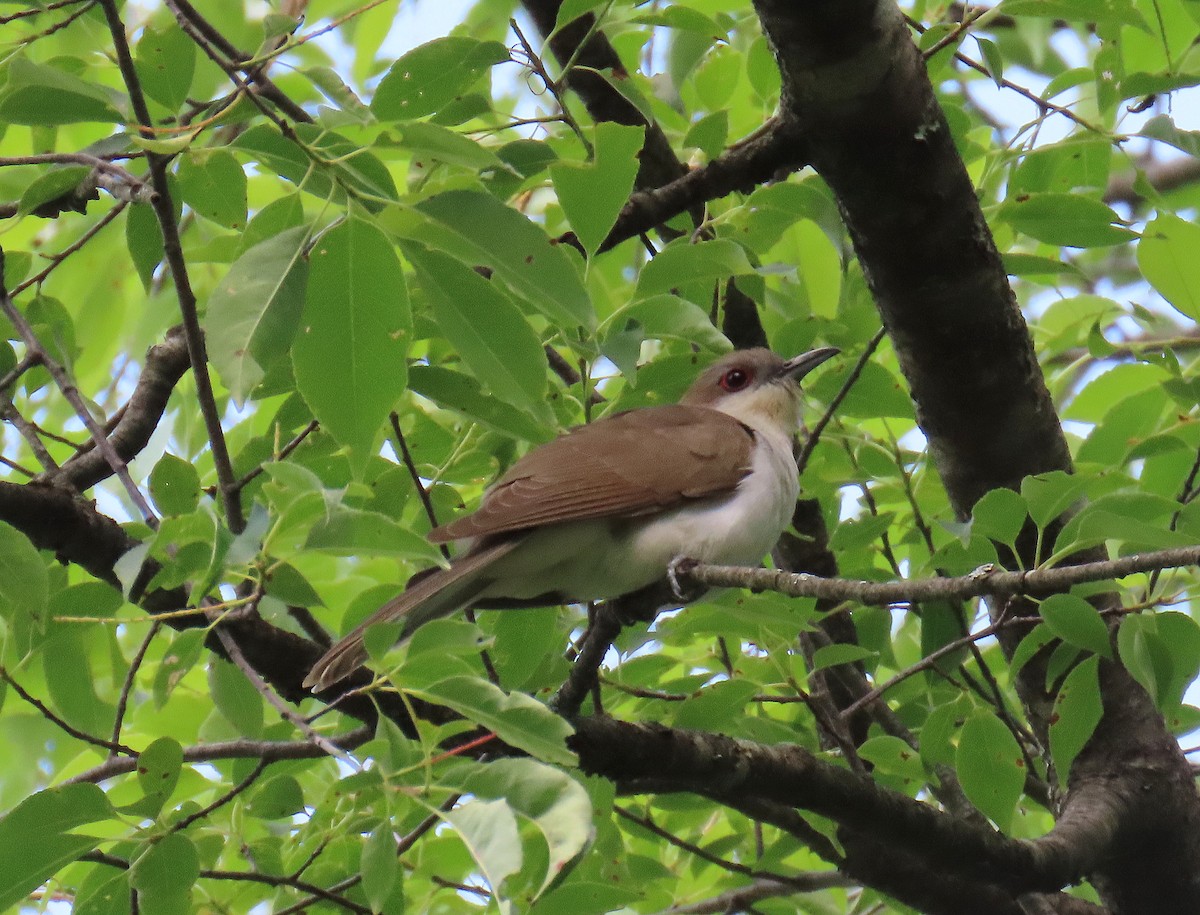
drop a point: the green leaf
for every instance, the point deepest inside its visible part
(1048, 495)
(175, 485)
(1162, 127)
(51, 185)
(254, 311)
(336, 163)
(1140, 519)
(1109, 12)
(1181, 636)
(43, 94)
(479, 230)
(181, 656)
(682, 262)
(279, 798)
(352, 532)
(67, 664)
(380, 865)
(833, 655)
(992, 58)
(167, 867)
(711, 132)
(103, 891)
(877, 392)
(486, 329)
(158, 768)
(235, 697)
(431, 141)
(430, 76)
(350, 356)
(1167, 258)
(990, 767)
(283, 213)
(489, 830)
(1077, 711)
(334, 88)
(143, 237)
(1000, 515)
(1074, 620)
(213, 184)
(37, 837)
(166, 63)
(1070, 220)
(462, 394)
(1138, 653)
(1034, 265)
(24, 587)
(556, 803)
(516, 718)
(1109, 388)
(592, 194)
(570, 10)
(664, 317)
(859, 533)
(291, 587)
(893, 756)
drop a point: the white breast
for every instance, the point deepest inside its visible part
(586, 560)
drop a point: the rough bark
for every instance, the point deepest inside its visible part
(854, 81)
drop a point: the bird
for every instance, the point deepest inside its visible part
(607, 508)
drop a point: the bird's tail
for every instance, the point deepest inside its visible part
(432, 596)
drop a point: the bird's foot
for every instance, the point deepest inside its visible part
(677, 567)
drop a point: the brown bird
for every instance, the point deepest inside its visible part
(606, 509)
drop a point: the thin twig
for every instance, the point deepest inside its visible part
(224, 799)
(930, 660)
(38, 10)
(269, 750)
(539, 68)
(597, 640)
(60, 25)
(814, 436)
(173, 251)
(796, 883)
(138, 191)
(14, 374)
(55, 259)
(283, 454)
(33, 346)
(10, 413)
(235, 654)
(55, 720)
(302, 885)
(305, 904)
(415, 476)
(214, 44)
(127, 686)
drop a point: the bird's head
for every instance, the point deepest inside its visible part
(756, 386)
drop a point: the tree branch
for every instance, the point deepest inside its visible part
(777, 150)
(983, 581)
(166, 363)
(716, 765)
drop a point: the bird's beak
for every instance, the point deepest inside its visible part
(799, 366)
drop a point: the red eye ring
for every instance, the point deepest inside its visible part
(735, 380)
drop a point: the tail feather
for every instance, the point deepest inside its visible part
(438, 594)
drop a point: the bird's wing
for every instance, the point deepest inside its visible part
(620, 466)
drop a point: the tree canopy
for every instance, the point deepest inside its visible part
(279, 297)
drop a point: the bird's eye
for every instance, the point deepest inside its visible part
(735, 380)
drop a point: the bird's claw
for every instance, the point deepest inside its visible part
(677, 566)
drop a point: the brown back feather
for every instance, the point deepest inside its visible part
(620, 466)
